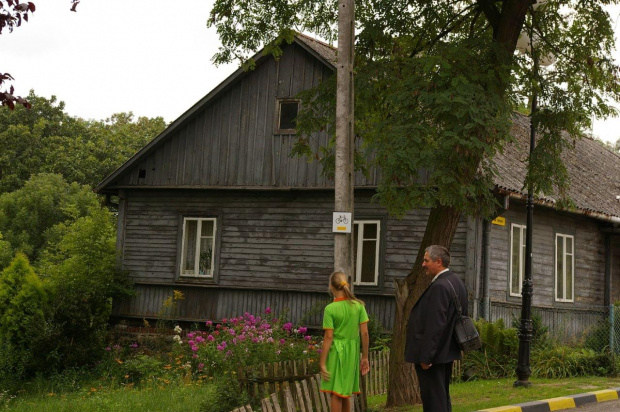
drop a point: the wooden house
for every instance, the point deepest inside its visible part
(217, 208)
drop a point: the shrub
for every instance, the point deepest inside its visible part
(567, 362)
(245, 341)
(22, 314)
(83, 279)
(497, 357)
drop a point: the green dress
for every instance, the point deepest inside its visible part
(343, 360)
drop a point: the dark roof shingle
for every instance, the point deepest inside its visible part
(594, 172)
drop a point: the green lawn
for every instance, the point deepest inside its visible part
(180, 396)
(472, 396)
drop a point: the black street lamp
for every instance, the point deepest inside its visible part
(526, 330)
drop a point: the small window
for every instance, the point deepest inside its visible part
(366, 240)
(517, 258)
(198, 248)
(287, 113)
(564, 268)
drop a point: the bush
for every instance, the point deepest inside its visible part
(497, 357)
(246, 341)
(83, 279)
(22, 315)
(567, 362)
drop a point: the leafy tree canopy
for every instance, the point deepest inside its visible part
(437, 83)
(28, 214)
(46, 139)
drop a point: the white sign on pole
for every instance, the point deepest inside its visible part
(342, 222)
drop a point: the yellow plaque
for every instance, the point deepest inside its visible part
(501, 221)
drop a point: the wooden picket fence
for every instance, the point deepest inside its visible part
(293, 386)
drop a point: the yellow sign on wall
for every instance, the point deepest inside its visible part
(500, 221)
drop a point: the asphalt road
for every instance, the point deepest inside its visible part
(600, 407)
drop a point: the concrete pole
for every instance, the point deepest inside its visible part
(343, 243)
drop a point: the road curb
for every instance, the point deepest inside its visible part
(561, 403)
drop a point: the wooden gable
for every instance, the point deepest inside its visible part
(231, 140)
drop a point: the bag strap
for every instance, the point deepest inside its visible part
(455, 298)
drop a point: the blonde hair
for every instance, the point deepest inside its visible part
(338, 281)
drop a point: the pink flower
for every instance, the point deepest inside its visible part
(268, 311)
(282, 341)
(224, 320)
(287, 326)
(190, 342)
(302, 330)
(195, 348)
(194, 356)
(210, 338)
(209, 323)
(308, 337)
(108, 348)
(201, 366)
(191, 335)
(133, 345)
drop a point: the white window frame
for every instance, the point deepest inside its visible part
(196, 272)
(360, 249)
(562, 238)
(523, 230)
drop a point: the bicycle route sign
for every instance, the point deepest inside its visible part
(342, 222)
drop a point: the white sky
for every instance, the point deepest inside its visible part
(151, 57)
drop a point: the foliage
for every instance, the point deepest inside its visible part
(540, 332)
(246, 341)
(27, 215)
(380, 339)
(6, 253)
(225, 395)
(566, 362)
(168, 311)
(496, 358)
(22, 314)
(46, 139)
(83, 279)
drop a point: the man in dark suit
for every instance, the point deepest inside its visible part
(431, 344)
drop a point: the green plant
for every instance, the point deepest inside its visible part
(246, 341)
(225, 395)
(497, 357)
(567, 362)
(22, 313)
(380, 339)
(168, 311)
(83, 278)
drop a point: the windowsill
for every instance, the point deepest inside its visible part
(188, 279)
(285, 131)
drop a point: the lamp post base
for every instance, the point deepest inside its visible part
(522, 384)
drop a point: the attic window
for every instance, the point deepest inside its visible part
(141, 173)
(287, 112)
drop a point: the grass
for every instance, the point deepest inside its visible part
(179, 396)
(472, 396)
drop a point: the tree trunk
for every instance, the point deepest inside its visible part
(403, 382)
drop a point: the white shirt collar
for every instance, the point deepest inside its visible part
(437, 275)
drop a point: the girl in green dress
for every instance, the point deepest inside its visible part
(345, 320)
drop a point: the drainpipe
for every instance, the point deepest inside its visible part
(486, 299)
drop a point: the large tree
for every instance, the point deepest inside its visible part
(436, 85)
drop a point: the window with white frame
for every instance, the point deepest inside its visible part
(564, 268)
(198, 248)
(366, 235)
(517, 258)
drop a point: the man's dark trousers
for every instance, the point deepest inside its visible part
(434, 387)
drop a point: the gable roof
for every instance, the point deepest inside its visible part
(322, 51)
(593, 170)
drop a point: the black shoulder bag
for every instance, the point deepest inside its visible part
(466, 333)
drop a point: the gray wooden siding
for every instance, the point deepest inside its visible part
(615, 269)
(232, 141)
(200, 304)
(269, 240)
(565, 324)
(589, 256)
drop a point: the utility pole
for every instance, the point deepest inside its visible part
(343, 242)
